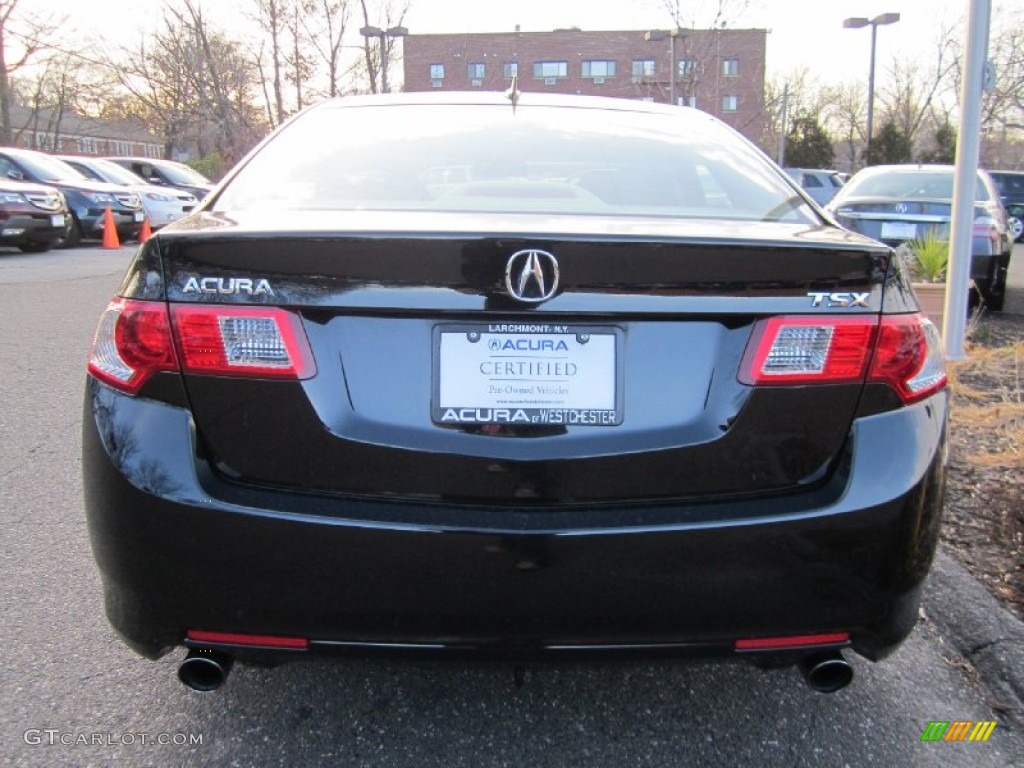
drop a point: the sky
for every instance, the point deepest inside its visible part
(802, 33)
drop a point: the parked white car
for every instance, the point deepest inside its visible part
(163, 205)
(820, 184)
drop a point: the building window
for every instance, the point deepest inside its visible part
(598, 69)
(730, 67)
(436, 75)
(511, 69)
(643, 68)
(87, 145)
(730, 103)
(688, 67)
(476, 71)
(550, 69)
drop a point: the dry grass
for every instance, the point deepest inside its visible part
(988, 399)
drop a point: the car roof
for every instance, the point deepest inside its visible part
(498, 98)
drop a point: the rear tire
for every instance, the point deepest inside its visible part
(1016, 227)
(993, 289)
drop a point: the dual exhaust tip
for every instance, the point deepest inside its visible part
(825, 671)
(206, 670)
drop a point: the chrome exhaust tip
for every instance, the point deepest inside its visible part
(826, 672)
(204, 670)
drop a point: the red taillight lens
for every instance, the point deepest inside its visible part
(909, 357)
(259, 342)
(809, 350)
(903, 351)
(132, 342)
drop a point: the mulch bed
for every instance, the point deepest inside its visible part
(984, 515)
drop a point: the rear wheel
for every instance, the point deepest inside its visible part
(1016, 228)
(993, 289)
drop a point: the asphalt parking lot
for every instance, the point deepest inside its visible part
(73, 695)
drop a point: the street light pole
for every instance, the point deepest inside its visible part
(385, 49)
(656, 35)
(857, 22)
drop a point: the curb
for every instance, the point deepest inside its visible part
(980, 629)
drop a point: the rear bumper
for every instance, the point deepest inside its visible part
(179, 549)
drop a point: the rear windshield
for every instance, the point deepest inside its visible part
(538, 160)
(908, 185)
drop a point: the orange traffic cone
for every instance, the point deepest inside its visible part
(110, 230)
(146, 232)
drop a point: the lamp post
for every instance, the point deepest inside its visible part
(657, 35)
(385, 49)
(857, 22)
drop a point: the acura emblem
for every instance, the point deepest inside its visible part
(531, 276)
(901, 207)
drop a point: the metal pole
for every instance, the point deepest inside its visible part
(871, 95)
(965, 177)
(785, 118)
(672, 68)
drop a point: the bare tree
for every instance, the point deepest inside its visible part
(191, 84)
(325, 27)
(913, 88)
(27, 34)
(847, 116)
(272, 15)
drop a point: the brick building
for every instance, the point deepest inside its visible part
(72, 134)
(719, 71)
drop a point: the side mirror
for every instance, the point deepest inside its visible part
(155, 180)
(16, 175)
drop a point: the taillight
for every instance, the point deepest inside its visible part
(132, 342)
(903, 351)
(259, 342)
(908, 357)
(809, 350)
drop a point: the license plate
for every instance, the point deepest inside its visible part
(898, 230)
(525, 373)
(139, 216)
(57, 220)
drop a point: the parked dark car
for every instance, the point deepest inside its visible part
(901, 203)
(87, 200)
(167, 173)
(448, 374)
(1011, 192)
(32, 217)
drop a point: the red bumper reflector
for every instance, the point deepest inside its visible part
(793, 641)
(234, 638)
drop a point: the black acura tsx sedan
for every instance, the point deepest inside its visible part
(519, 376)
